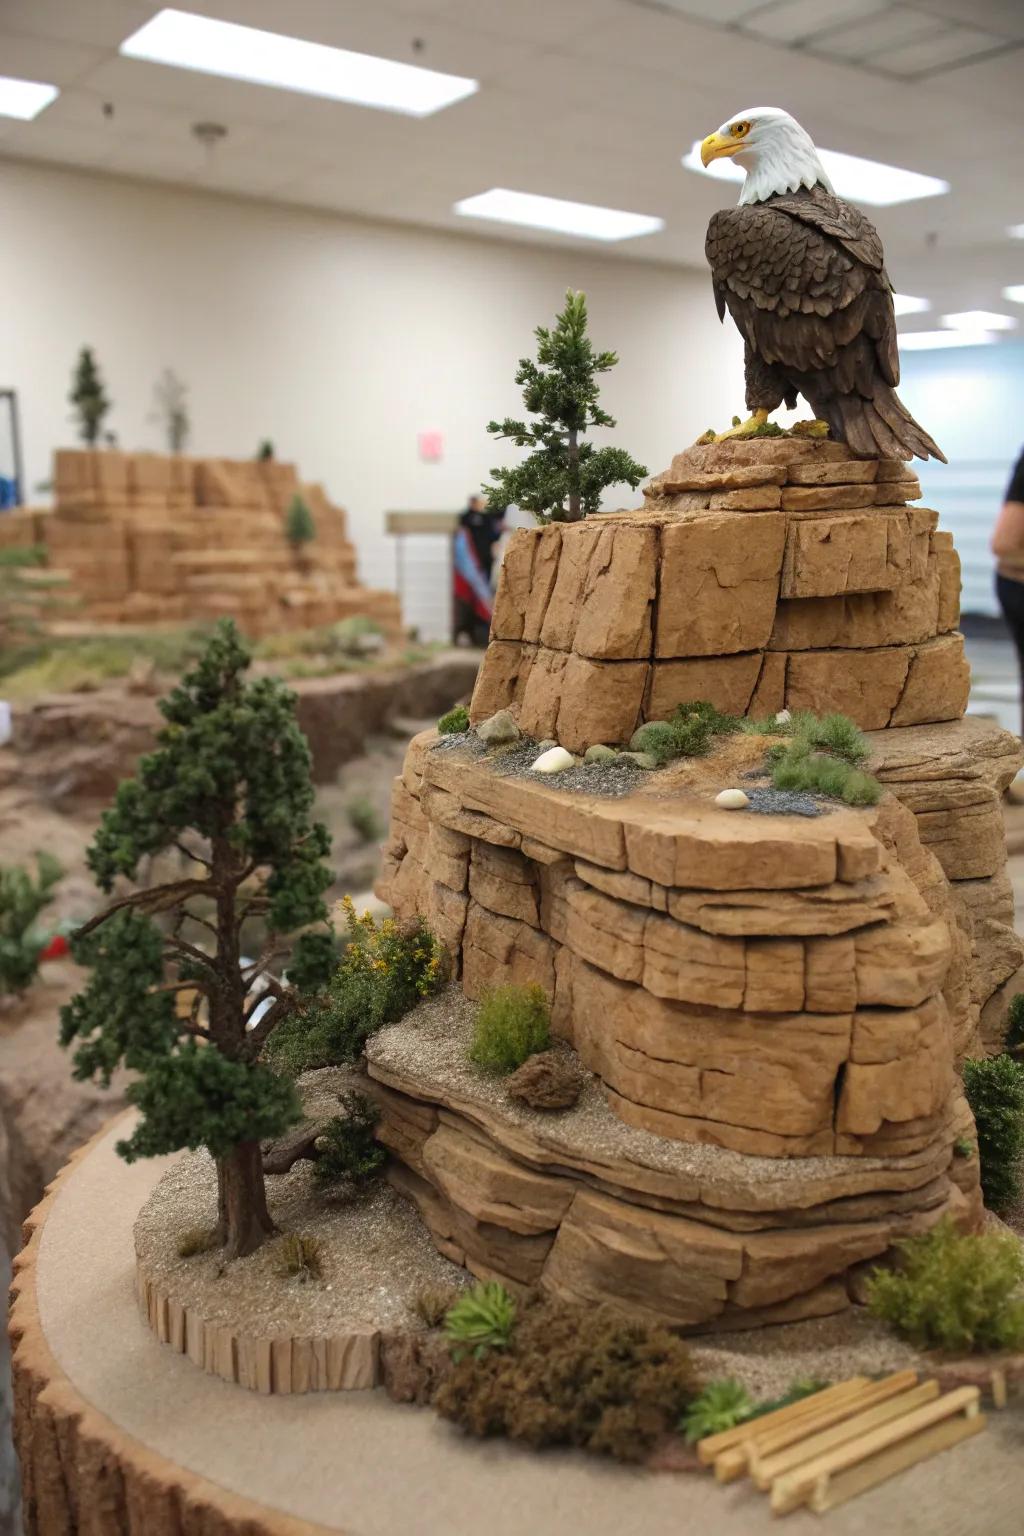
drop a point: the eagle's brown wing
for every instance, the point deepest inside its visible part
(803, 278)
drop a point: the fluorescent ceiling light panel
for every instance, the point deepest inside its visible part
(567, 218)
(290, 64)
(935, 341)
(906, 304)
(24, 98)
(1016, 231)
(862, 181)
(1015, 293)
(980, 320)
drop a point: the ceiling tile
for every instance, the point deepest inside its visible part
(871, 38)
(955, 45)
(98, 23)
(37, 58)
(789, 21)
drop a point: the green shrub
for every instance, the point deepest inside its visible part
(995, 1092)
(1015, 1022)
(721, 1405)
(954, 1292)
(22, 898)
(364, 820)
(299, 527)
(512, 1024)
(799, 767)
(963, 1147)
(833, 733)
(314, 959)
(688, 732)
(577, 1375)
(299, 1257)
(455, 722)
(384, 972)
(481, 1319)
(658, 739)
(349, 1154)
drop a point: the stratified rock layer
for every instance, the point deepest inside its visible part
(756, 987)
(760, 575)
(146, 538)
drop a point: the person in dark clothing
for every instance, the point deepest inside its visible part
(1008, 548)
(478, 533)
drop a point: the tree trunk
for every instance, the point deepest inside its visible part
(243, 1221)
(574, 495)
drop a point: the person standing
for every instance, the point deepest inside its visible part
(1008, 547)
(476, 537)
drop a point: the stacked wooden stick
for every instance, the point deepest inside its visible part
(838, 1443)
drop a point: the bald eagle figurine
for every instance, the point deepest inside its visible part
(803, 276)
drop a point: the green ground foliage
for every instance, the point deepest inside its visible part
(822, 757)
(30, 597)
(299, 527)
(512, 1023)
(349, 1154)
(364, 820)
(481, 1319)
(455, 722)
(299, 1258)
(562, 480)
(954, 1292)
(23, 896)
(688, 732)
(995, 1091)
(722, 1405)
(384, 971)
(578, 1375)
(230, 784)
(62, 664)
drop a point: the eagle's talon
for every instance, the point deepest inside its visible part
(744, 428)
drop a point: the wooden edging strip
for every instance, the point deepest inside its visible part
(711, 1448)
(866, 1397)
(813, 1477)
(765, 1470)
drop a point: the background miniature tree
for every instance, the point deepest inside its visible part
(299, 527)
(88, 397)
(171, 398)
(563, 479)
(229, 786)
(22, 899)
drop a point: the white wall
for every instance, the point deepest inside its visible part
(339, 339)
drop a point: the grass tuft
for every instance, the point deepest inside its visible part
(512, 1024)
(197, 1240)
(299, 1257)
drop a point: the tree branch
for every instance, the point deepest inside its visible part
(254, 1038)
(159, 899)
(196, 857)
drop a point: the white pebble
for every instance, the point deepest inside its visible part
(554, 760)
(731, 800)
(783, 717)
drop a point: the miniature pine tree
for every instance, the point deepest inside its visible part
(170, 395)
(88, 397)
(230, 787)
(563, 479)
(299, 527)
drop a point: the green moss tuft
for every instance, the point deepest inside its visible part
(512, 1024)
(954, 1292)
(722, 1405)
(480, 1320)
(455, 722)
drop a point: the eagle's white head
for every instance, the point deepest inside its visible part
(776, 153)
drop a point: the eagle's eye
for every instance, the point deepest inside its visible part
(740, 130)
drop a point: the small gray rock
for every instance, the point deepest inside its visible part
(500, 728)
(546, 744)
(600, 754)
(639, 759)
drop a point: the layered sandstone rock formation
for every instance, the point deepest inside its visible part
(147, 538)
(761, 575)
(750, 992)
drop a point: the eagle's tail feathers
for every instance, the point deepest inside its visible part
(883, 427)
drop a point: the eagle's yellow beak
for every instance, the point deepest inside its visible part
(716, 145)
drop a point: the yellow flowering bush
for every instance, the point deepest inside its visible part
(385, 969)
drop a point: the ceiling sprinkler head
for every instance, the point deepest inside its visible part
(209, 134)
